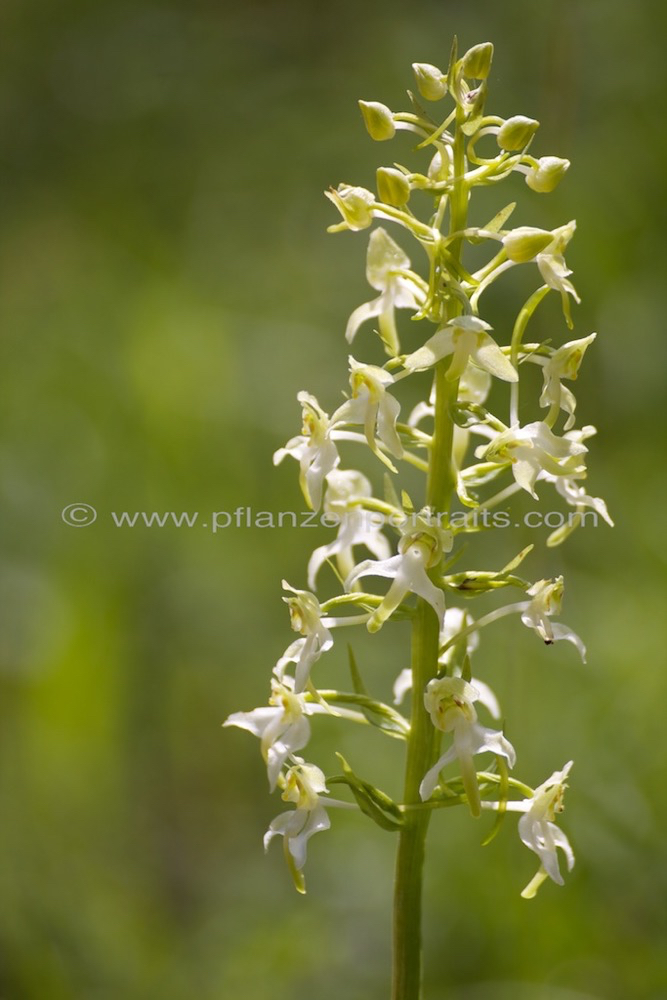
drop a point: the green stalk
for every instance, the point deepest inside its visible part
(407, 954)
(423, 741)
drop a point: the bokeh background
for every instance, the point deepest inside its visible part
(167, 287)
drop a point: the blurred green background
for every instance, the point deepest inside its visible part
(167, 287)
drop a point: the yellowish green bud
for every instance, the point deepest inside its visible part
(354, 204)
(378, 119)
(547, 174)
(524, 244)
(393, 186)
(476, 63)
(516, 132)
(431, 82)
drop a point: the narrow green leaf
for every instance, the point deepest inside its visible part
(376, 713)
(390, 494)
(372, 802)
(474, 583)
(357, 682)
(498, 221)
(452, 70)
(419, 109)
(517, 560)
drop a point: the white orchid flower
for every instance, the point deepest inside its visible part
(534, 449)
(546, 598)
(563, 363)
(455, 620)
(466, 339)
(314, 450)
(386, 267)
(546, 248)
(449, 701)
(306, 618)
(373, 407)
(555, 271)
(419, 549)
(357, 526)
(281, 726)
(577, 497)
(303, 785)
(538, 830)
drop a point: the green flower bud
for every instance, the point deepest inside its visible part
(354, 204)
(547, 174)
(516, 132)
(393, 186)
(476, 63)
(524, 244)
(378, 119)
(431, 82)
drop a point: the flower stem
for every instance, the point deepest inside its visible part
(423, 741)
(407, 953)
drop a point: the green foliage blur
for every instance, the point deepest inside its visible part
(167, 286)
